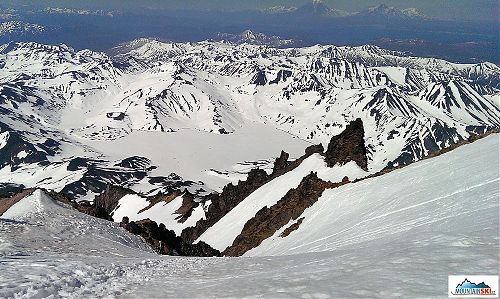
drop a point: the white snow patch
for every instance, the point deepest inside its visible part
(131, 205)
(22, 154)
(396, 74)
(4, 137)
(28, 206)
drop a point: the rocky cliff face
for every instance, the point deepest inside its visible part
(164, 241)
(348, 146)
(269, 220)
(232, 195)
(224, 202)
(343, 148)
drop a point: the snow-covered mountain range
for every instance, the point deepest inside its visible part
(386, 11)
(256, 38)
(20, 28)
(83, 12)
(318, 8)
(58, 104)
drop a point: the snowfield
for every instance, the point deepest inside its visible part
(397, 235)
(192, 153)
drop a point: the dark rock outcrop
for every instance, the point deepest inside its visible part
(269, 220)
(259, 78)
(108, 200)
(9, 189)
(292, 228)
(93, 210)
(281, 163)
(164, 241)
(187, 207)
(224, 202)
(103, 204)
(348, 146)
(314, 149)
(232, 195)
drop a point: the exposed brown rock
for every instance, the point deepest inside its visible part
(224, 202)
(164, 241)
(93, 210)
(292, 228)
(108, 200)
(348, 146)
(314, 149)
(187, 207)
(269, 220)
(7, 202)
(58, 196)
(281, 163)
(167, 198)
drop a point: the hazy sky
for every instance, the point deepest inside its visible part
(446, 9)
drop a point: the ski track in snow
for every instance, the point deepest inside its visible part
(398, 211)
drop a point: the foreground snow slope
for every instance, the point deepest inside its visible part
(399, 235)
(450, 201)
(38, 218)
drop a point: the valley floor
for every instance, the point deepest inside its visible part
(402, 241)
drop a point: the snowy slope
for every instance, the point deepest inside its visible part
(378, 238)
(41, 219)
(447, 202)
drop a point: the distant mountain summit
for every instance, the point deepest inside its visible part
(256, 38)
(386, 11)
(319, 8)
(313, 8)
(280, 9)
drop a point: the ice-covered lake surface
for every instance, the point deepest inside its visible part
(398, 235)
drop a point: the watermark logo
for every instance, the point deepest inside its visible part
(473, 286)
